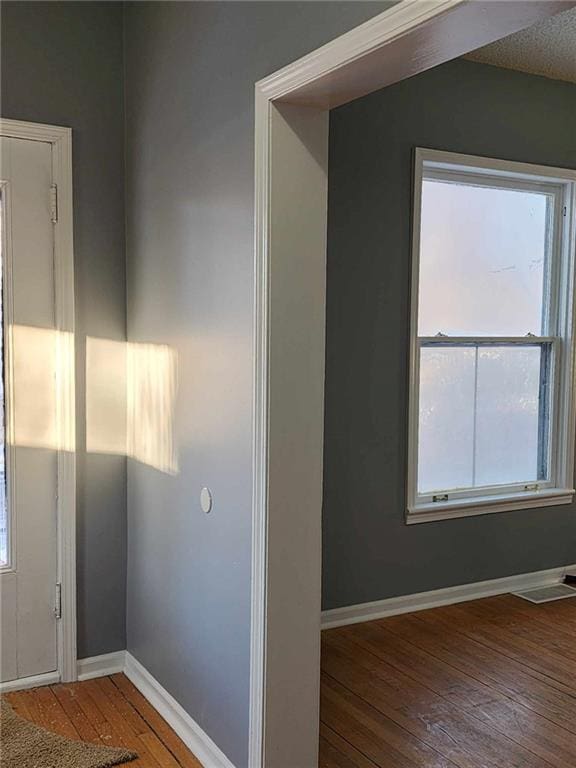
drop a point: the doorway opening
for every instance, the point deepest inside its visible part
(291, 193)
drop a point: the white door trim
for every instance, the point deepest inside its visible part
(412, 36)
(61, 140)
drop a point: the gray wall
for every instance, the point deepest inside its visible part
(369, 552)
(62, 64)
(191, 69)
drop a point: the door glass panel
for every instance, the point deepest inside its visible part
(4, 533)
(482, 260)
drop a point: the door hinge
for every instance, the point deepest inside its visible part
(58, 603)
(54, 203)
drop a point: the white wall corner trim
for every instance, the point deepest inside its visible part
(100, 666)
(202, 746)
(394, 606)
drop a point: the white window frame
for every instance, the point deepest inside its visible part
(561, 183)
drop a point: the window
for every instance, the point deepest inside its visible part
(491, 404)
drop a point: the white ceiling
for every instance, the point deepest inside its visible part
(547, 48)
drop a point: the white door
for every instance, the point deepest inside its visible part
(28, 459)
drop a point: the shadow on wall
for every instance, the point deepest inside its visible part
(130, 395)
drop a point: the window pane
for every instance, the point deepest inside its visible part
(507, 415)
(3, 504)
(483, 416)
(446, 429)
(482, 261)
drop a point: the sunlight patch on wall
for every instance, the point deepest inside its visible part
(130, 395)
(106, 428)
(130, 401)
(152, 383)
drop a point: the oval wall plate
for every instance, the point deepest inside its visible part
(206, 500)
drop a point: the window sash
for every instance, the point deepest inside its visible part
(555, 194)
(546, 440)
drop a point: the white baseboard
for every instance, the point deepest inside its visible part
(177, 718)
(95, 666)
(35, 681)
(197, 741)
(393, 606)
(100, 666)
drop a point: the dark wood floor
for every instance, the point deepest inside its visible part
(111, 711)
(485, 684)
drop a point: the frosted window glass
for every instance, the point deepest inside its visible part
(483, 417)
(446, 429)
(507, 415)
(482, 260)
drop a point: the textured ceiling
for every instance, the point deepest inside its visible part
(547, 48)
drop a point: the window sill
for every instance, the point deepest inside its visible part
(485, 505)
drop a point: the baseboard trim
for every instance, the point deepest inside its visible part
(197, 741)
(86, 669)
(195, 738)
(35, 681)
(100, 666)
(394, 606)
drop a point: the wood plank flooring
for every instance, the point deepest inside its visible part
(108, 710)
(485, 684)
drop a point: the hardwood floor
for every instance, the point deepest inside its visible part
(485, 684)
(108, 710)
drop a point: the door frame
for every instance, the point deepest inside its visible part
(291, 159)
(61, 140)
